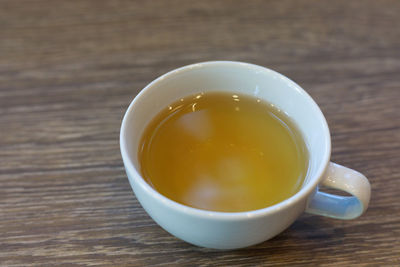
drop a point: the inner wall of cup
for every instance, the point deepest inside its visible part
(236, 78)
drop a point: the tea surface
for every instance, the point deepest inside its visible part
(223, 152)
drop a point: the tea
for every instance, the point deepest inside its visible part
(223, 152)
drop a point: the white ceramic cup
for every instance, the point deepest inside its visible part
(230, 230)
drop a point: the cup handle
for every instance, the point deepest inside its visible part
(340, 207)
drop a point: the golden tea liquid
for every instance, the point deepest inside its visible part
(223, 152)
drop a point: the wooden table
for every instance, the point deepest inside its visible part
(69, 69)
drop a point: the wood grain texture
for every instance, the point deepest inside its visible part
(69, 69)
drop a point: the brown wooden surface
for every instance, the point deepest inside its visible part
(69, 69)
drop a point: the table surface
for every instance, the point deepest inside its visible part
(69, 69)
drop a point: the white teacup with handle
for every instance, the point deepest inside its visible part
(231, 230)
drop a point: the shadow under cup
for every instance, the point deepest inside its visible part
(233, 77)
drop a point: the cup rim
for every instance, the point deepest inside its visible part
(302, 193)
